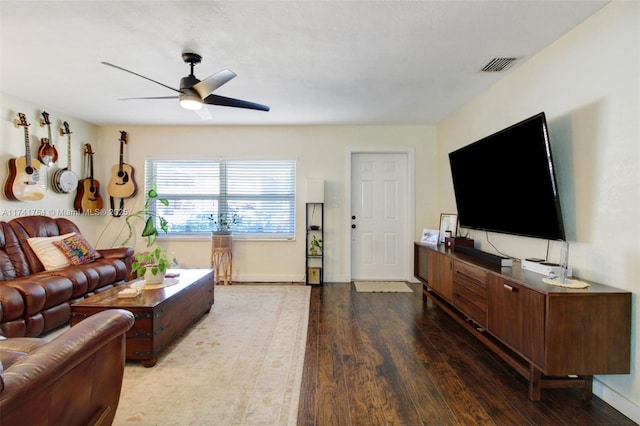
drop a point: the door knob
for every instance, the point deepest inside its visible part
(353, 226)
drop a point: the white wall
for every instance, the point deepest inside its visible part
(12, 146)
(320, 151)
(588, 84)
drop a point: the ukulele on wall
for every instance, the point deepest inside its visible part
(121, 184)
(88, 198)
(47, 153)
(24, 182)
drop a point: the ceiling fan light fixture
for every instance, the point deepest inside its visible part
(190, 104)
(190, 100)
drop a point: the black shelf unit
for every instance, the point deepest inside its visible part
(314, 257)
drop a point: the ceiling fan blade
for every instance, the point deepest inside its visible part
(230, 102)
(204, 113)
(139, 75)
(211, 83)
(149, 97)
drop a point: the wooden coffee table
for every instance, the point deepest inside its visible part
(161, 314)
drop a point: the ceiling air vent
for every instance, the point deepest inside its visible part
(499, 64)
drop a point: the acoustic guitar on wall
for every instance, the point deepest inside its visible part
(24, 182)
(121, 184)
(88, 198)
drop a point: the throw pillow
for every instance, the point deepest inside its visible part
(50, 256)
(77, 249)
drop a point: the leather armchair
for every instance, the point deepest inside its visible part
(73, 379)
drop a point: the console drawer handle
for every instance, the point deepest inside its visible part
(508, 287)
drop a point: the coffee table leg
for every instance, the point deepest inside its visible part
(150, 362)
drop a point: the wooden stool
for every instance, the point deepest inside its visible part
(222, 258)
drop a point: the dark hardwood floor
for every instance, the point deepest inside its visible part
(392, 359)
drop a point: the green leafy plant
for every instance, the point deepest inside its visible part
(150, 232)
(315, 246)
(155, 258)
(224, 221)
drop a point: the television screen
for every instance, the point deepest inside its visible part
(506, 183)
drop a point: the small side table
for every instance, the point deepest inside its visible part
(222, 258)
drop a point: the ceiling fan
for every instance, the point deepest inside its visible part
(194, 93)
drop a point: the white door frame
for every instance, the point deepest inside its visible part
(409, 208)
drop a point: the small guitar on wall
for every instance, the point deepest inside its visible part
(24, 182)
(88, 198)
(121, 184)
(47, 153)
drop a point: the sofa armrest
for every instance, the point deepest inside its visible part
(116, 253)
(86, 361)
(125, 254)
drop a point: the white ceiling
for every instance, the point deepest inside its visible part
(312, 62)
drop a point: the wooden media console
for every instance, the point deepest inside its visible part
(553, 336)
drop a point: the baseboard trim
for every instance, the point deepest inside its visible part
(263, 278)
(616, 400)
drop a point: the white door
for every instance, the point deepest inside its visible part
(378, 216)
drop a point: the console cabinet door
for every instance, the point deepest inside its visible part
(440, 274)
(517, 317)
(420, 262)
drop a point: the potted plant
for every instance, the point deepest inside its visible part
(315, 248)
(224, 221)
(152, 265)
(154, 262)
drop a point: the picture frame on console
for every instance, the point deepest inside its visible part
(430, 236)
(448, 222)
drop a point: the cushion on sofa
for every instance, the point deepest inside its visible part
(77, 249)
(49, 255)
(39, 226)
(12, 350)
(78, 280)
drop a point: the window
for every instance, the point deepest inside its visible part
(260, 192)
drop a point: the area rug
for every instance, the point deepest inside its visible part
(241, 364)
(382, 287)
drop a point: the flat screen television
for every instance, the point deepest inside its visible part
(506, 182)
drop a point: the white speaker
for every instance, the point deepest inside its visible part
(544, 268)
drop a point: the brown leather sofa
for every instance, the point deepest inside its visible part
(34, 300)
(74, 379)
